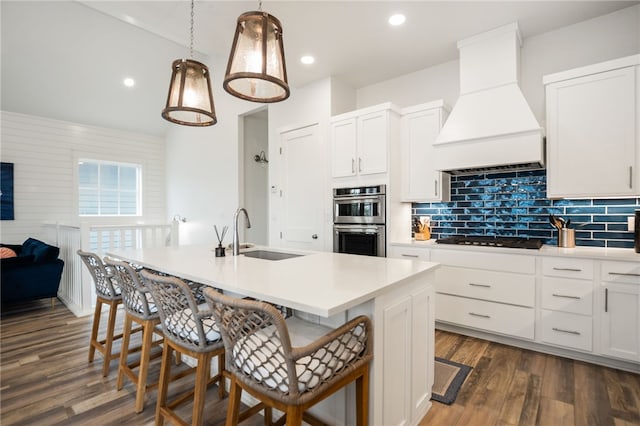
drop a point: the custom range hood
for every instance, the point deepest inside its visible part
(491, 126)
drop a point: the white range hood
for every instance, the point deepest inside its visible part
(491, 126)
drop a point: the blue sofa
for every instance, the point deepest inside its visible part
(33, 274)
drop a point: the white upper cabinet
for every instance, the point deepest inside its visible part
(420, 126)
(360, 141)
(593, 147)
(344, 151)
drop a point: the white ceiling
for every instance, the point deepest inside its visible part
(351, 40)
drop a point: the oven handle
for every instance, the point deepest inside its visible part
(362, 229)
(351, 199)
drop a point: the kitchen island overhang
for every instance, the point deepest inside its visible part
(320, 283)
(397, 294)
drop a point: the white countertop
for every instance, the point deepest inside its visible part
(598, 253)
(320, 283)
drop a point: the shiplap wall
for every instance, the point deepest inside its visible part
(45, 152)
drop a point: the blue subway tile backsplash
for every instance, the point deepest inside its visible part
(514, 204)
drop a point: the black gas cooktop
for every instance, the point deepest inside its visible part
(489, 241)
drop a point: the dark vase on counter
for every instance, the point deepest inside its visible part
(636, 232)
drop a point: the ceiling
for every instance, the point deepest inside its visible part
(350, 40)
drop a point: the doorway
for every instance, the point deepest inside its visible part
(255, 176)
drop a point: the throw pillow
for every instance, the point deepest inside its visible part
(6, 252)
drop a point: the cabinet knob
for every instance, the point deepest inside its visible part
(314, 236)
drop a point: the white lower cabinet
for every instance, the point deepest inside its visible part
(495, 317)
(408, 340)
(566, 317)
(570, 330)
(486, 291)
(589, 308)
(404, 252)
(620, 310)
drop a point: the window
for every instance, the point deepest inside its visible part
(108, 189)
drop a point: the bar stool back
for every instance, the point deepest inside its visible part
(107, 293)
(188, 329)
(263, 361)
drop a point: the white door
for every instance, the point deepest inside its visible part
(303, 191)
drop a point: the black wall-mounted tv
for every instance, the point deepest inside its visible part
(6, 191)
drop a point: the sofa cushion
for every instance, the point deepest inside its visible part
(41, 251)
(19, 260)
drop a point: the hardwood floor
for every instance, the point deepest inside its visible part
(512, 386)
(45, 379)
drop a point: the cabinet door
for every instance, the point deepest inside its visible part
(372, 143)
(420, 181)
(397, 363)
(422, 347)
(591, 126)
(343, 144)
(402, 252)
(621, 321)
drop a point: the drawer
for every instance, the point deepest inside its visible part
(567, 295)
(402, 252)
(490, 316)
(621, 272)
(567, 268)
(569, 330)
(522, 264)
(494, 286)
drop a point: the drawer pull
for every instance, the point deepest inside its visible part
(626, 274)
(473, 314)
(480, 285)
(409, 255)
(567, 269)
(577, 333)
(566, 296)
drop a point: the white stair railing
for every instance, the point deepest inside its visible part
(76, 289)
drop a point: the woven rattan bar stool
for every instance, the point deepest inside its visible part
(140, 309)
(188, 329)
(262, 358)
(107, 293)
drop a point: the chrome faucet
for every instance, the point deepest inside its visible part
(236, 242)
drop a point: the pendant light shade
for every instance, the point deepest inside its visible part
(190, 101)
(256, 70)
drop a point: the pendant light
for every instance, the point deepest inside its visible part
(256, 69)
(190, 100)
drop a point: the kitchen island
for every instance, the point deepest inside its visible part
(330, 288)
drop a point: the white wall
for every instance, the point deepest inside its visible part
(607, 37)
(45, 154)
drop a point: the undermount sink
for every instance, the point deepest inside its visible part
(242, 246)
(269, 255)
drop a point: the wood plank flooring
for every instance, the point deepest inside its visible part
(513, 386)
(45, 379)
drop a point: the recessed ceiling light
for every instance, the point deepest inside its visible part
(397, 19)
(307, 59)
(129, 82)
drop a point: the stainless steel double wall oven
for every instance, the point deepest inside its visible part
(359, 220)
